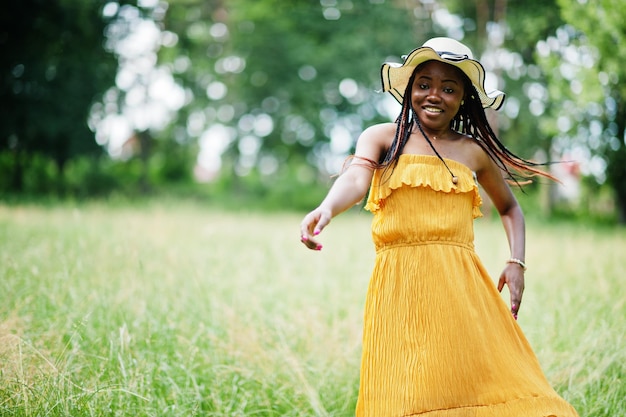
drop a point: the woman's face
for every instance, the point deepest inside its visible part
(437, 93)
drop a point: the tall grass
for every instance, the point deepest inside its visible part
(178, 310)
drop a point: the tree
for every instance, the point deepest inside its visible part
(603, 30)
(585, 56)
(287, 80)
(54, 66)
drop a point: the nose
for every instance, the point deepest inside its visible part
(434, 95)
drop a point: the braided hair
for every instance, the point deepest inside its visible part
(470, 120)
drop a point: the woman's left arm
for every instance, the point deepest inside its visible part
(492, 180)
(513, 273)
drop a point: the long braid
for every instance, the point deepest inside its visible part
(472, 120)
(404, 122)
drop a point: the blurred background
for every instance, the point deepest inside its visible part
(258, 102)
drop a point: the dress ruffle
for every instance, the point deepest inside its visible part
(423, 171)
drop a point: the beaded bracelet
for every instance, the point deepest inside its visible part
(517, 261)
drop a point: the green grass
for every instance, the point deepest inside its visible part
(167, 309)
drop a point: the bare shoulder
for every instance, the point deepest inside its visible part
(375, 140)
(475, 155)
(380, 132)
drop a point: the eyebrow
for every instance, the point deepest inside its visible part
(444, 81)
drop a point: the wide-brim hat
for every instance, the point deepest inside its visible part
(395, 77)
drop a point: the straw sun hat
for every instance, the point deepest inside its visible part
(395, 77)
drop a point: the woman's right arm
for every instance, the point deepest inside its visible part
(351, 186)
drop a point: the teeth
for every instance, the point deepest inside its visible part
(432, 109)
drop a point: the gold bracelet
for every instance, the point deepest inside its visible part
(517, 261)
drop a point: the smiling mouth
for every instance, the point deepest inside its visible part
(433, 109)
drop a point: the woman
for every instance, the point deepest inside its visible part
(438, 339)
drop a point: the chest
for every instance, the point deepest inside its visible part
(456, 150)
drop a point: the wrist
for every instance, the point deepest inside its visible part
(521, 263)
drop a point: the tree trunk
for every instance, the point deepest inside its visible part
(616, 175)
(17, 177)
(616, 164)
(145, 148)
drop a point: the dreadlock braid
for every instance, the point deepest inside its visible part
(471, 120)
(403, 131)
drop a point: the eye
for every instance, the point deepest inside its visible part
(423, 86)
(448, 90)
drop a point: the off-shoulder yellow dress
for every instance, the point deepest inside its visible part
(438, 339)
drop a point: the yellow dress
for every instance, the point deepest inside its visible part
(438, 339)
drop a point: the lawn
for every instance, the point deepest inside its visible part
(175, 309)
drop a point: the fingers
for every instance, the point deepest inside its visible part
(310, 243)
(311, 226)
(514, 279)
(515, 308)
(322, 222)
(516, 288)
(501, 283)
(516, 300)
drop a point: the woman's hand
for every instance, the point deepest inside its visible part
(513, 277)
(312, 225)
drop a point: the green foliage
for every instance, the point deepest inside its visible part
(279, 76)
(295, 186)
(585, 71)
(54, 67)
(286, 60)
